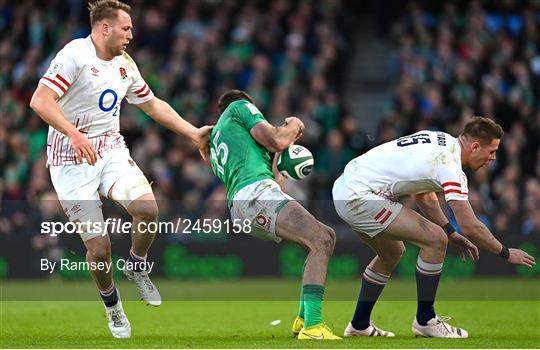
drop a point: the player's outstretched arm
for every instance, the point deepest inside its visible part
(276, 139)
(44, 103)
(477, 232)
(430, 207)
(165, 115)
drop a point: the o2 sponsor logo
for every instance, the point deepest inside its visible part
(104, 101)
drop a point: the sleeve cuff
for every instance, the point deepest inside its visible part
(456, 197)
(138, 100)
(254, 123)
(53, 85)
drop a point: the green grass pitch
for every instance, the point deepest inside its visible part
(498, 313)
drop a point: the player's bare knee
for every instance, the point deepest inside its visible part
(325, 240)
(400, 251)
(100, 253)
(331, 234)
(144, 210)
(439, 240)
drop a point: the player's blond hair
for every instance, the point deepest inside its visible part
(482, 129)
(106, 9)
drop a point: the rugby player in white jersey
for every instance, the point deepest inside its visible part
(419, 165)
(80, 97)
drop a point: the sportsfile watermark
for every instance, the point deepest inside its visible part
(117, 225)
(40, 241)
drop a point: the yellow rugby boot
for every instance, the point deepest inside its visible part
(297, 325)
(317, 332)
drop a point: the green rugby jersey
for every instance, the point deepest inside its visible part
(236, 158)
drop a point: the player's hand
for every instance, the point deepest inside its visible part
(83, 148)
(520, 257)
(464, 246)
(298, 123)
(201, 139)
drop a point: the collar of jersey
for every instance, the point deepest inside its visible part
(92, 48)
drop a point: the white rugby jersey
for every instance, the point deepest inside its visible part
(423, 162)
(90, 93)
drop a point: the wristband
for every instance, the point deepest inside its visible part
(505, 253)
(449, 229)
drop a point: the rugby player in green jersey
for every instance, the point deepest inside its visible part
(240, 147)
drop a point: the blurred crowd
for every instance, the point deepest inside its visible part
(462, 62)
(292, 57)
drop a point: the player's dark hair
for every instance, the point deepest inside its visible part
(230, 96)
(482, 129)
(108, 9)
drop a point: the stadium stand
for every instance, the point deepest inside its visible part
(448, 64)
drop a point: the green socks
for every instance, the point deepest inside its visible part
(312, 296)
(301, 308)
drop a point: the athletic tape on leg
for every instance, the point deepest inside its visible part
(129, 188)
(92, 225)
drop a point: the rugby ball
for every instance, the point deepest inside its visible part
(295, 162)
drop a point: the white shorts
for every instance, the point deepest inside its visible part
(364, 210)
(260, 202)
(79, 186)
